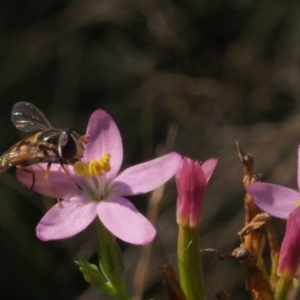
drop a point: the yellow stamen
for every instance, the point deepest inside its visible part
(80, 169)
(104, 162)
(298, 203)
(93, 167)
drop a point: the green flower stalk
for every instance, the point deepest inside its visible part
(109, 276)
(110, 260)
(191, 181)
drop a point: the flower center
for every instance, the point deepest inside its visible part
(93, 167)
(94, 172)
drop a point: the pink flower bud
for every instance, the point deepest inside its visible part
(191, 181)
(289, 259)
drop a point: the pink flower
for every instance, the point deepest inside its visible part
(289, 258)
(103, 187)
(191, 181)
(276, 200)
(282, 202)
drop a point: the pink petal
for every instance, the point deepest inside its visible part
(124, 221)
(147, 176)
(58, 178)
(276, 200)
(198, 187)
(208, 167)
(298, 177)
(64, 221)
(183, 176)
(289, 259)
(105, 137)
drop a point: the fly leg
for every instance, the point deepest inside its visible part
(30, 172)
(52, 187)
(68, 173)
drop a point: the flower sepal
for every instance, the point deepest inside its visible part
(92, 275)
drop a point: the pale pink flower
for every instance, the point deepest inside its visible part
(101, 196)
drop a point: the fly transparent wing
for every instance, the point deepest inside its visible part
(27, 117)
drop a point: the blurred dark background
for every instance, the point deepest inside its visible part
(192, 76)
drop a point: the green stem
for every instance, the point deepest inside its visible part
(190, 263)
(282, 288)
(110, 261)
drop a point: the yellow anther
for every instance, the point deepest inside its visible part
(93, 167)
(298, 203)
(104, 162)
(80, 169)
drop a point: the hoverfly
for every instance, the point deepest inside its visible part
(47, 145)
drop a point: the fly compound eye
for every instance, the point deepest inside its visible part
(67, 148)
(63, 139)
